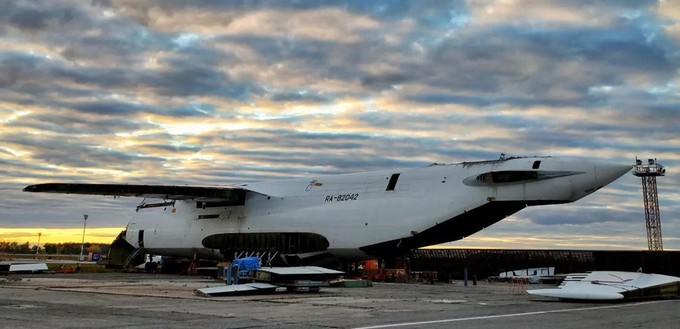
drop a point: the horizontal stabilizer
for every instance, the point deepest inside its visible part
(168, 192)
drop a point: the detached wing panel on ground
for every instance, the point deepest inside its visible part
(236, 290)
(613, 285)
(266, 280)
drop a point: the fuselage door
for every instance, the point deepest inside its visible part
(140, 239)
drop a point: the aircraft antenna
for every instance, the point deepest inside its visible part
(648, 172)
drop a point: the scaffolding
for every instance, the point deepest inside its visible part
(648, 172)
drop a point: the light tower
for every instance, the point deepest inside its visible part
(82, 244)
(648, 172)
(37, 248)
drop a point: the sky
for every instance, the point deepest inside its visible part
(221, 92)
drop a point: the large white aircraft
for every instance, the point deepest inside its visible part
(347, 216)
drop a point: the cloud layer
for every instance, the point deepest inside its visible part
(207, 93)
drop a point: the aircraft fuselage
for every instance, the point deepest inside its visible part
(368, 214)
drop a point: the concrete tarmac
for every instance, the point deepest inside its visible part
(124, 300)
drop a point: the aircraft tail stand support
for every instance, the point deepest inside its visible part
(266, 257)
(193, 267)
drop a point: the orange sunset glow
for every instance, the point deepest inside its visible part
(59, 235)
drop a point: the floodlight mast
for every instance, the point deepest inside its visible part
(82, 244)
(37, 248)
(648, 172)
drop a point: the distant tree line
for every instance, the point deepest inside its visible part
(68, 248)
(15, 248)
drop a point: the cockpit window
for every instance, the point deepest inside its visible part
(515, 176)
(536, 164)
(507, 176)
(393, 182)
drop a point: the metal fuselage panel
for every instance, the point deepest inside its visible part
(356, 210)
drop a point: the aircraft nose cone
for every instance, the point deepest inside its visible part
(606, 173)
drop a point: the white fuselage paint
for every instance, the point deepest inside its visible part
(355, 210)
